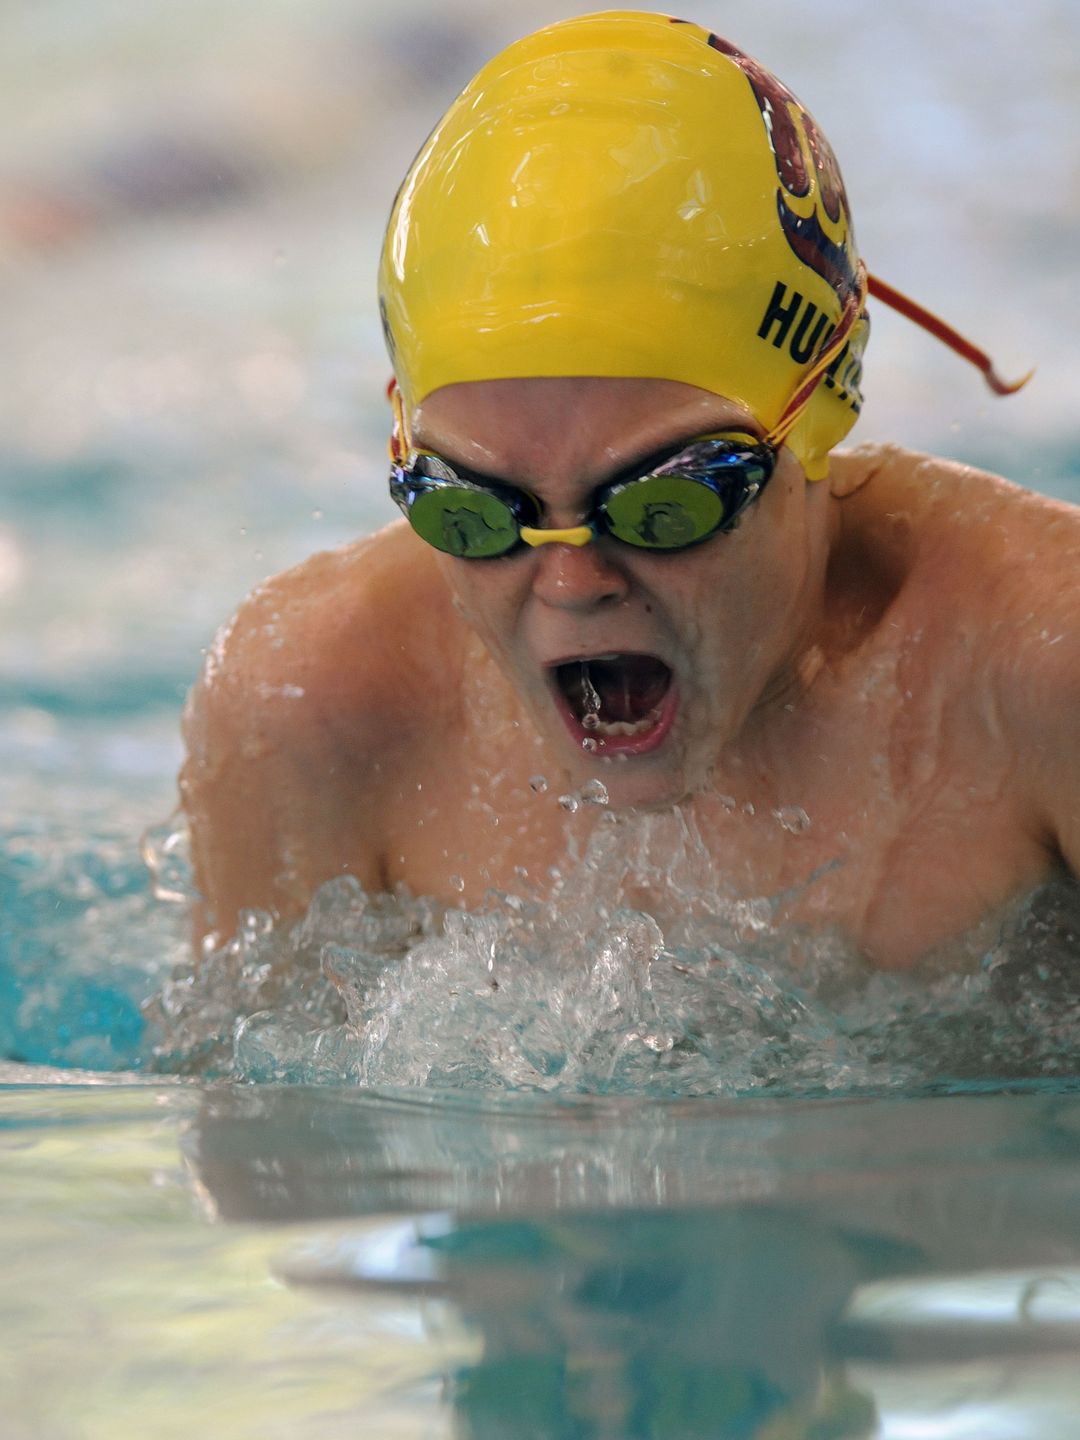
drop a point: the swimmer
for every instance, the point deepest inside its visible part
(626, 317)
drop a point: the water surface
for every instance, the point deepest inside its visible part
(288, 1261)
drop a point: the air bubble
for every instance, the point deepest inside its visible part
(591, 721)
(457, 883)
(594, 793)
(538, 784)
(570, 803)
(590, 746)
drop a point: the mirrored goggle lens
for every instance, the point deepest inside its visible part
(663, 512)
(470, 524)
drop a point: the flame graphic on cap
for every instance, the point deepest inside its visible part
(808, 172)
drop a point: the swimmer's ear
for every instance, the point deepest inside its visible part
(849, 470)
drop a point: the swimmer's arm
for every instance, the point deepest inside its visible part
(1042, 705)
(270, 808)
(1063, 782)
(265, 821)
(288, 734)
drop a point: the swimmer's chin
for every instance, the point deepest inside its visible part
(640, 784)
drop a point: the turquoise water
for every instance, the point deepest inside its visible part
(190, 202)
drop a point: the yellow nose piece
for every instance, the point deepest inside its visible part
(579, 535)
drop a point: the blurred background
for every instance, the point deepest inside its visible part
(191, 202)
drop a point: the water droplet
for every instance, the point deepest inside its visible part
(589, 745)
(253, 923)
(594, 793)
(457, 883)
(727, 801)
(591, 721)
(792, 818)
(570, 802)
(748, 807)
(539, 784)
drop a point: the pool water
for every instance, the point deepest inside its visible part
(830, 1207)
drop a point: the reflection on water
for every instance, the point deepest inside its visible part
(628, 1269)
(636, 1324)
(318, 1262)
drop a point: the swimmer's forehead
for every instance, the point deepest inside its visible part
(584, 427)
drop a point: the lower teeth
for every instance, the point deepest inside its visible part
(596, 726)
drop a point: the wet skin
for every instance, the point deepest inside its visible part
(893, 651)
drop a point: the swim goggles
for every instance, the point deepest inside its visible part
(669, 503)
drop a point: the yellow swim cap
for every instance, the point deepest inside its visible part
(625, 194)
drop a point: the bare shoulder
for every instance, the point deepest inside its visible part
(994, 590)
(343, 649)
(979, 533)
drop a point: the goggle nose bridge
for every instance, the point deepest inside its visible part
(577, 535)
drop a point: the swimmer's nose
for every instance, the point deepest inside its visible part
(572, 577)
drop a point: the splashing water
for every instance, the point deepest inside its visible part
(570, 995)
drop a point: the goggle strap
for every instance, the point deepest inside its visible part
(399, 441)
(930, 322)
(867, 285)
(792, 411)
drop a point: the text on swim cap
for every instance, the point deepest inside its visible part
(795, 323)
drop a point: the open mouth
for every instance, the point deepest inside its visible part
(616, 703)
